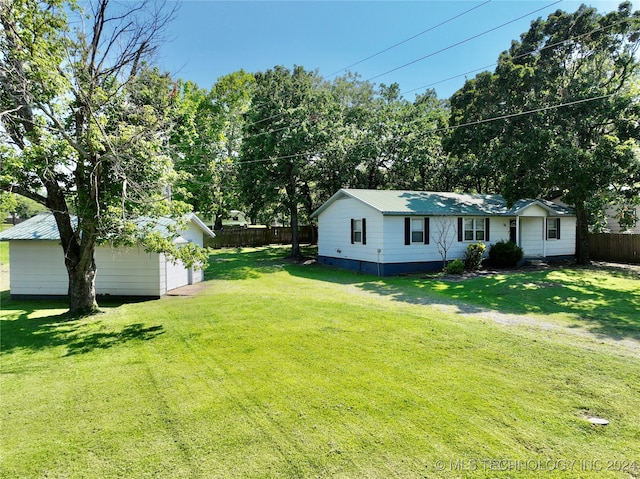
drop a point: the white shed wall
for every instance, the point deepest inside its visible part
(193, 234)
(37, 268)
(127, 272)
(175, 273)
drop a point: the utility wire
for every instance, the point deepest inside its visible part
(386, 50)
(451, 127)
(461, 42)
(409, 39)
(522, 55)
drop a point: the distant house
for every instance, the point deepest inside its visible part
(613, 223)
(391, 232)
(234, 219)
(37, 263)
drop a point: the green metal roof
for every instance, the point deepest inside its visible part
(426, 203)
(43, 227)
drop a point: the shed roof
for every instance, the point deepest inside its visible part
(43, 227)
(427, 203)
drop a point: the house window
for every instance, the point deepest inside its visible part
(474, 229)
(417, 230)
(357, 231)
(553, 228)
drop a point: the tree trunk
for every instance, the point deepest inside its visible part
(82, 291)
(80, 263)
(295, 241)
(582, 234)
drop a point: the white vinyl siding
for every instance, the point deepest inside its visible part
(386, 234)
(565, 246)
(127, 272)
(37, 268)
(334, 235)
(532, 232)
(177, 275)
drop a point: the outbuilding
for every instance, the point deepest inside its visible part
(387, 232)
(37, 267)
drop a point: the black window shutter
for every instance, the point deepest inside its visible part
(364, 230)
(487, 222)
(460, 232)
(557, 228)
(352, 228)
(407, 231)
(426, 231)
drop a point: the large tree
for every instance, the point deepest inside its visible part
(207, 138)
(288, 126)
(384, 140)
(559, 114)
(85, 124)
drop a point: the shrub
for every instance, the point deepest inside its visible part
(505, 254)
(455, 267)
(473, 256)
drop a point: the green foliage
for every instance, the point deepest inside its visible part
(454, 267)
(8, 204)
(568, 107)
(473, 256)
(383, 140)
(206, 142)
(86, 122)
(288, 126)
(505, 254)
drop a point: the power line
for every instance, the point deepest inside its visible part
(451, 127)
(385, 50)
(522, 55)
(409, 39)
(463, 41)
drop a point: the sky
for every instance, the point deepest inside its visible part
(418, 44)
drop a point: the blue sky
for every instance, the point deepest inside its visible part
(210, 39)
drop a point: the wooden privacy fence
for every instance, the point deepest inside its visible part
(237, 237)
(621, 248)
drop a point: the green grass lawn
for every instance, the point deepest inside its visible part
(298, 370)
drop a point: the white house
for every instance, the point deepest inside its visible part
(38, 270)
(392, 232)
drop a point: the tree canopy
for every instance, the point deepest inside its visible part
(287, 127)
(560, 113)
(85, 124)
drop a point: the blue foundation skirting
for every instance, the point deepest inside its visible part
(380, 269)
(393, 269)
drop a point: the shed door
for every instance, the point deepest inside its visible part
(177, 275)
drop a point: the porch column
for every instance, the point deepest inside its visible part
(518, 242)
(544, 237)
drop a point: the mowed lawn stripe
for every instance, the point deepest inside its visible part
(286, 370)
